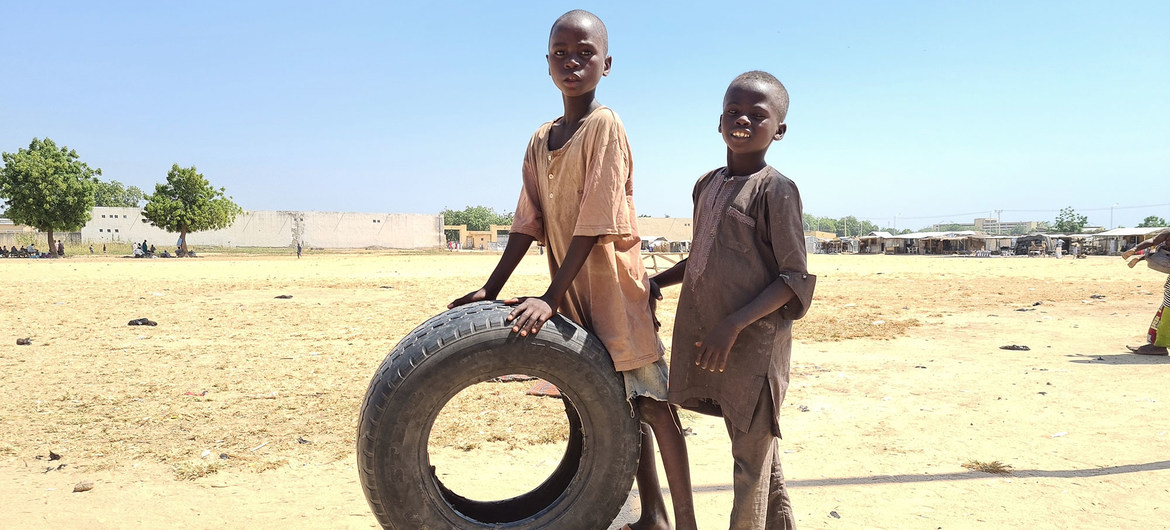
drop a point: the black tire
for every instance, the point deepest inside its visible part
(465, 346)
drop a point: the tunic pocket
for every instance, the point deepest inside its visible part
(738, 230)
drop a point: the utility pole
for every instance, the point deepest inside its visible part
(997, 223)
(1111, 215)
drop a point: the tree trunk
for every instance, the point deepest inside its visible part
(52, 244)
(183, 242)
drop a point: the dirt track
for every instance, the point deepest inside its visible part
(898, 381)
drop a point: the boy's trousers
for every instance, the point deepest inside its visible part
(761, 501)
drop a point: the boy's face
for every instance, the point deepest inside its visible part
(577, 56)
(750, 121)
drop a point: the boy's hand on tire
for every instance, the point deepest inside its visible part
(530, 314)
(473, 296)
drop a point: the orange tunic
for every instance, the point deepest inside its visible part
(586, 188)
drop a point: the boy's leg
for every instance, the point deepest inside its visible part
(649, 491)
(663, 420)
(779, 504)
(761, 499)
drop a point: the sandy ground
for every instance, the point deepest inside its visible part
(239, 409)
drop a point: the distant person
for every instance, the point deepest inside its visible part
(1059, 247)
(1158, 336)
(744, 283)
(103, 248)
(598, 279)
(298, 250)
(60, 248)
(91, 248)
(1076, 250)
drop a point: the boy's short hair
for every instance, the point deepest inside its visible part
(776, 89)
(582, 14)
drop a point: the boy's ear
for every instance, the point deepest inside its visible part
(719, 128)
(608, 64)
(783, 128)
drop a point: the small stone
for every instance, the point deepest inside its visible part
(84, 485)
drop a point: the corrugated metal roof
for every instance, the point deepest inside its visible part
(1125, 232)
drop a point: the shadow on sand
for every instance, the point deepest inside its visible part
(1120, 359)
(966, 475)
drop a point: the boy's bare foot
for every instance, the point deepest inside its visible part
(1148, 349)
(1127, 254)
(1134, 261)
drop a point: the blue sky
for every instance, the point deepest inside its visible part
(913, 112)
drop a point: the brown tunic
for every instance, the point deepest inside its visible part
(748, 231)
(586, 188)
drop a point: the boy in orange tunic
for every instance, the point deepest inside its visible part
(577, 200)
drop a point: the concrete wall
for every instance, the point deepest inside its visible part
(672, 228)
(267, 228)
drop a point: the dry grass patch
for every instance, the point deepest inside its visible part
(996, 467)
(193, 469)
(499, 412)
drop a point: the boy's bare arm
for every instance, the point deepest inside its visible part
(532, 312)
(666, 278)
(715, 348)
(1153, 241)
(671, 276)
(517, 246)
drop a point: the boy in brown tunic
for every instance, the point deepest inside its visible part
(743, 284)
(578, 199)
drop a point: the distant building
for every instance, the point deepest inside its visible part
(270, 228)
(991, 225)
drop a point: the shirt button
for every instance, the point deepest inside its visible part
(550, 157)
(550, 176)
(550, 195)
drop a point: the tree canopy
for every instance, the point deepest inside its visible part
(476, 217)
(1152, 221)
(47, 187)
(117, 195)
(1068, 221)
(187, 202)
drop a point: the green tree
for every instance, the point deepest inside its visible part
(810, 222)
(1152, 221)
(827, 224)
(1068, 221)
(476, 217)
(47, 187)
(188, 203)
(117, 195)
(848, 226)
